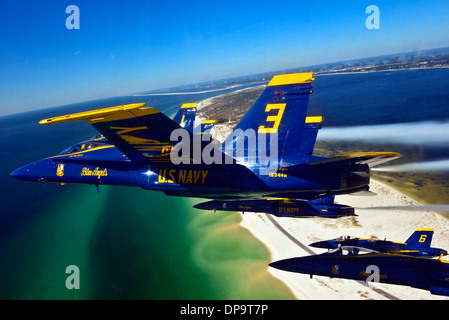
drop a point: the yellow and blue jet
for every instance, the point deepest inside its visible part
(136, 148)
(417, 272)
(418, 244)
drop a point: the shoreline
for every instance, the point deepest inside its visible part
(180, 93)
(395, 225)
(317, 73)
(384, 70)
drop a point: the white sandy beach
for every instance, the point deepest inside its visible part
(393, 225)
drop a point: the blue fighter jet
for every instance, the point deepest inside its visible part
(418, 244)
(140, 146)
(417, 272)
(324, 208)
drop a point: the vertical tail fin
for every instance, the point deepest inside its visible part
(281, 109)
(185, 116)
(313, 124)
(421, 238)
(205, 126)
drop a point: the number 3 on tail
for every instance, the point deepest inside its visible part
(275, 119)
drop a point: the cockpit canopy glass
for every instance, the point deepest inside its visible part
(83, 146)
(344, 238)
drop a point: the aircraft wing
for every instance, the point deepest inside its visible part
(138, 131)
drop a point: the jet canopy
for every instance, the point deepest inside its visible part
(83, 146)
(341, 238)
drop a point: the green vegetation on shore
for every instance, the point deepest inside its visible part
(426, 188)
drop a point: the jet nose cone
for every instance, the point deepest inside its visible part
(21, 173)
(278, 265)
(287, 264)
(320, 244)
(200, 206)
(27, 173)
(209, 205)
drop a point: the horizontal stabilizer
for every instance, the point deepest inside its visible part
(364, 193)
(370, 158)
(362, 158)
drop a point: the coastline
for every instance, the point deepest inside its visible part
(395, 225)
(382, 70)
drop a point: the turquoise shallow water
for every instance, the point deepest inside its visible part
(134, 244)
(128, 243)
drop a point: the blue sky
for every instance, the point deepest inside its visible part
(124, 47)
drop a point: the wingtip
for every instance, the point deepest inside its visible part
(292, 78)
(189, 105)
(87, 115)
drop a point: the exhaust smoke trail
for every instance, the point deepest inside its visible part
(426, 133)
(442, 208)
(425, 166)
(435, 133)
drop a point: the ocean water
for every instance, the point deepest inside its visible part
(134, 244)
(381, 97)
(404, 110)
(128, 243)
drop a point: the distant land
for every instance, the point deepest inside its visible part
(435, 58)
(425, 187)
(420, 59)
(425, 59)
